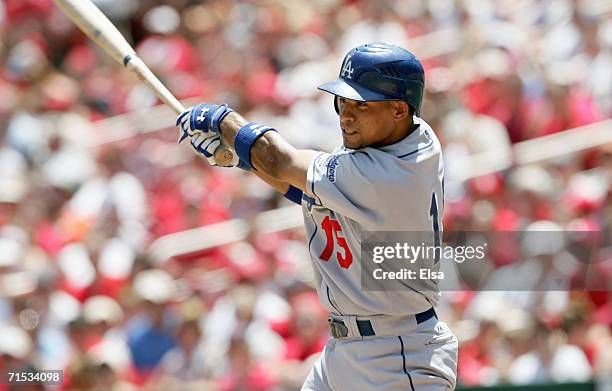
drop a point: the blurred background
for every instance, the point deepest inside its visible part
(129, 263)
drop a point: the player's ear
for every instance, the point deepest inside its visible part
(401, 110)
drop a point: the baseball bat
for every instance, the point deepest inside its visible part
(101, 30)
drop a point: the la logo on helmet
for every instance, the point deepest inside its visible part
(347, 69)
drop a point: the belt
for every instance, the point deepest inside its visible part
(340, 330)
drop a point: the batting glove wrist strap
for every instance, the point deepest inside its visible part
(294, 195)
(208, 116)
(246, 137)
(203, 118)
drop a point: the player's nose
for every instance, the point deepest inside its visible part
(346, 113)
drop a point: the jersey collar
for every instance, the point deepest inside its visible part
(420, 138)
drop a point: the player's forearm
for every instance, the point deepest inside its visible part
(270, 155)
(266, 156)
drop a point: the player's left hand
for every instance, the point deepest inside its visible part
(201, 119)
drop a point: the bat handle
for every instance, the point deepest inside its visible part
(223, 155)
(136, 65)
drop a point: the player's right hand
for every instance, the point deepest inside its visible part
(201, 119)
(201, 124)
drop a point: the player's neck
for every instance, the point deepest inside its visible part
(402, 131)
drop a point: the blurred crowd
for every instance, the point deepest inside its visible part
(78, 289)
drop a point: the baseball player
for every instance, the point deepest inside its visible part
(387, 176)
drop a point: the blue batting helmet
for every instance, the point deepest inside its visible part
(379, 72)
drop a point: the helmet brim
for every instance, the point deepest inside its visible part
(353, 91)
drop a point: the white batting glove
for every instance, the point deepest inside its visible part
(183, 124)
(206, 144)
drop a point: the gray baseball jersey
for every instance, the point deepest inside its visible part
(398, 187)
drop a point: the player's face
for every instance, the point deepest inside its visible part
(366, 124)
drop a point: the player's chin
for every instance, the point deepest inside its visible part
(350, 141)
(350, 145)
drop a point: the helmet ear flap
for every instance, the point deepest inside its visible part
(336, 104)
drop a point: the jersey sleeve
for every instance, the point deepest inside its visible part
(359, 186)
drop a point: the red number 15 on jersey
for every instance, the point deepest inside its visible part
(332, 230)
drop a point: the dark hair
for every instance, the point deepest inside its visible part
(411, 109)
